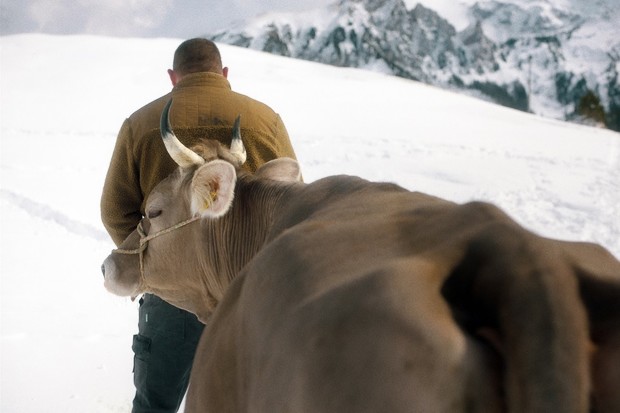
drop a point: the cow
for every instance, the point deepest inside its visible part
(349, 295)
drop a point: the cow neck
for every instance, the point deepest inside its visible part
(249, 224)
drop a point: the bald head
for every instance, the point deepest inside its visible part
(197, 55)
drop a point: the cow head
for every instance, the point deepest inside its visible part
(178, 251)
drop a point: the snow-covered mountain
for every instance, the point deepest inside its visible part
(556, 58)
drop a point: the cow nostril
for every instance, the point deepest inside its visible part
(103, 269)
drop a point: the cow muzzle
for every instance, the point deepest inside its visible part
(126, 282)
(117, 278)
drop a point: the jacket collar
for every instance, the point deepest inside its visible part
(202, 79)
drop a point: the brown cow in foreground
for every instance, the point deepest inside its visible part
(345, 295)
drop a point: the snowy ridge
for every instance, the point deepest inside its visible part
(43, 211)
(541, 56)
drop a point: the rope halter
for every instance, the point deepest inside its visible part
(144, 241)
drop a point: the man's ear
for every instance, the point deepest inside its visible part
(213, 189)
(281, 169)
(174, 78)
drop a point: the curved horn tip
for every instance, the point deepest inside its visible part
(182, 155)
(164, 120)
(237, 148)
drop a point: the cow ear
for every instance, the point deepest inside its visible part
(281, 169)
(212, 189)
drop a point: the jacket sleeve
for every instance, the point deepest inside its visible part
(122, 197)
(285, 148)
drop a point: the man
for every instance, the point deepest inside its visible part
(204, 106)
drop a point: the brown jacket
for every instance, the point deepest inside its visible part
(204, 106)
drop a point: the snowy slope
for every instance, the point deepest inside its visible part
(65, 342)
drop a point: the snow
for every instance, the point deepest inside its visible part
(65, 342)
(456, 12)
(600, 16)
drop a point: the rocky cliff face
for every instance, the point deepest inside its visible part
(531, 55)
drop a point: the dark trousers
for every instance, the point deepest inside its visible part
(163, 353)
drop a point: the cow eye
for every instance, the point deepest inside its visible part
(154, 213)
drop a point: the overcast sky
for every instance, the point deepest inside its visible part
(140, 18)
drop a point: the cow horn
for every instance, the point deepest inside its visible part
(181, 154)
(237, 149)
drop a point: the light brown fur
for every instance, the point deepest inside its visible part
(346, 295)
